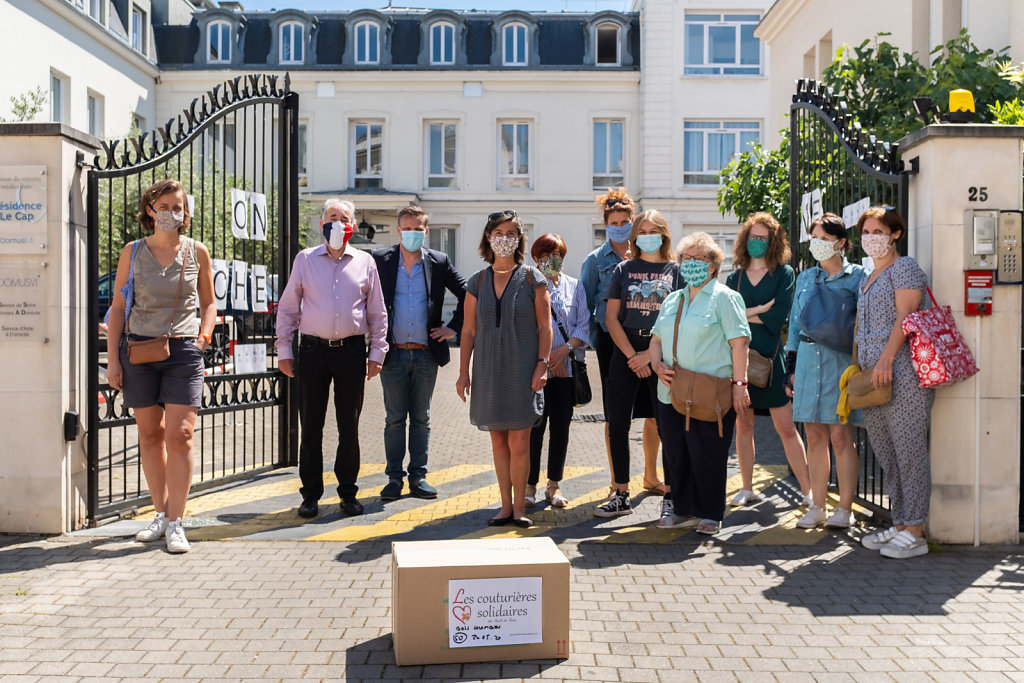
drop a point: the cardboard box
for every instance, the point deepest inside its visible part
(479, 600)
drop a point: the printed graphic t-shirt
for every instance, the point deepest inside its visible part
(642, 287)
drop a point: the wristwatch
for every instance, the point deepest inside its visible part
(739, 383)
(543, 360)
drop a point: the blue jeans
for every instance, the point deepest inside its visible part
(408, 379)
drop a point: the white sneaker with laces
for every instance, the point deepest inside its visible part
(175, 535)
(744, 497)
(814, 518)
(667, 513)
(155, 529)
(840, 519)
(904, 545)
(879, 539)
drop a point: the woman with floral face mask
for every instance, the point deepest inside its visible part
(898, 430)
(765, 281)
(812, 376)
(506, 332)
(172, 277)
(636, 290)
(570, 328)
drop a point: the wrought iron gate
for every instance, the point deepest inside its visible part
(241, 135)
(830, 152)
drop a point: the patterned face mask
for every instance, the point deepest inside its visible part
(338, 234)
(875, 246)
(504, 247)
(550, 266)
(694, 272)
(822, 250)
(169, 221)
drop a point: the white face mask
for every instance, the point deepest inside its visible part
(875, 246)
(169, 221)
(822, 250)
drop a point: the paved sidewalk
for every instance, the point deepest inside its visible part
(263, 596)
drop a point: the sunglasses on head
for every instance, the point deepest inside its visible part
(617, 201)
(510, 213)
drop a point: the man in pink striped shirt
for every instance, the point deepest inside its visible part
(333, 299)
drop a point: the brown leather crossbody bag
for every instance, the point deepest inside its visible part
(157, 349)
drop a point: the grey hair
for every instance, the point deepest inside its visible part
(344, 204)
(707, 244)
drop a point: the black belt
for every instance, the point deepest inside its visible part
(334, 343)
(636, 332)
(805, 338)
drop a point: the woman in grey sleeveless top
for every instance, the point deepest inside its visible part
(507, 333)
(171, 276)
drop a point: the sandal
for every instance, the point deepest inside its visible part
(531, 495)
(708, 527)
(658, 489)
(554, 496)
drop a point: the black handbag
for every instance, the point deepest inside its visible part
(581, 392)
(828, 317)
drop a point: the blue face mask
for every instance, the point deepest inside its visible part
(618, 233)
(757, 248)
(649, 244)
(694, 272)
(413, 239)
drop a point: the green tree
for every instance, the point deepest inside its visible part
(25, 106)
(757, 180)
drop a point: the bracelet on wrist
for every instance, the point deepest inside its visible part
(208, 338)
(739, 383)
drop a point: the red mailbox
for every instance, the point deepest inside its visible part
(978, 292)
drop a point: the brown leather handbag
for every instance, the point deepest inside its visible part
(696, 394)
(157, 349)
(862, 393)
(759, 369)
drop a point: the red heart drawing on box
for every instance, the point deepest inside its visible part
(462, 612)
(458, 597)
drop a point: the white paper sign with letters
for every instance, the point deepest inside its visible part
(239, 300)
(258, 217)
(221, 280)
(250, 358)
(484, 612)
(259, 288)
(239, 213)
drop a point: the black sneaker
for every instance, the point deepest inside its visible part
(616, 506)
(393, 490)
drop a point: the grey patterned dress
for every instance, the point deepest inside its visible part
(505, 352)
(899, 429)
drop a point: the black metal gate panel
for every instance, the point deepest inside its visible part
(829, 152)
(232, 148)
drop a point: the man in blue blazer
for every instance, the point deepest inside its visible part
(413, 279)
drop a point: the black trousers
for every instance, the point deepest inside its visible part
(317, 366)
(558, 410)
(697, 462)
(621, 388)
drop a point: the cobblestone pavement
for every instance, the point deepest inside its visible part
(264, 597)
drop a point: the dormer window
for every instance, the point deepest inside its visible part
(367, 43)
(608, 44)
(218, 42)
(514, 44)
(442, 43)
(291, 50)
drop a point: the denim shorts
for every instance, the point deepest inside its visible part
(177, 380)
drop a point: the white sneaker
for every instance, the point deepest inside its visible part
(155, 529)
(807, 501)
(814, 518)
(175, 535)
(904, 545)
(879, 539)
(744, 497)
(840, 519)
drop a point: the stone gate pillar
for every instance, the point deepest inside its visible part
(975, 430)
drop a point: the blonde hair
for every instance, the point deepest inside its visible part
(655, 218)
(707, 244)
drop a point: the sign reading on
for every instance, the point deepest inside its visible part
(22, 298)
(22, 209)
(484, 612)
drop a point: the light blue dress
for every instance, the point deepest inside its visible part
(818, 367)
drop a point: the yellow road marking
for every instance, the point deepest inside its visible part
(430, 514)
(288, 518)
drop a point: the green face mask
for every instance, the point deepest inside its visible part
(550, 266)
(756, 247)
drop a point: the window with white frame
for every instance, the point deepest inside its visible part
(442, 43)
(600, 234)
(440, 137)
(138, 29)
(58, 96)
(727, 241)
(514, 44)
(513, 154)
(291, 51)
(218, 46)
(443, 238)
(709, 146)
(367, 43)
(303, 153)
(96, 8)
(94, 103)
(607, 154)
(607, 42)
(722, 45)
(368, 154)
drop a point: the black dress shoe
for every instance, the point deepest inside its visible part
(309, 508)
(421, 489)
(523, 522)
(393, 490)
(499, 521)
(351, 507)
